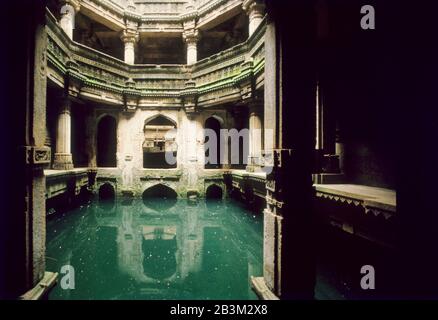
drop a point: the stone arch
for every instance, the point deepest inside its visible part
(159, 148)
(218, 118)
(160, 190)
(106, 140)
(159, 197)
(107, 191)
(160, 115)
(214, 191)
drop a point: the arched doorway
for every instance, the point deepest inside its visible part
(214, 192)
(159, 197)
(159, 146)
(106, 192)
(107, 142)
(212, 151)
(107, 197)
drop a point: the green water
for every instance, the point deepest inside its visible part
(157, 249)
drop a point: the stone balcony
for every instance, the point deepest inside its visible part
(228, 76)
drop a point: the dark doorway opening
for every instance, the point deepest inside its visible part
(213, 155)
(106, 192)
(107, 142)
(214, 192)
(159, 146)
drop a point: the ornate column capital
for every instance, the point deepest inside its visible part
(129, 36)
(254, 7)
(191, 36)
(75, 4)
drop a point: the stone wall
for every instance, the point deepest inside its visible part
(130, 177)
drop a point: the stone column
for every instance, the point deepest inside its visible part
(191, 161)
(255, 136)
(288, 260)
(191, 38)
(339, 147)
(256, 11)
(63, 156)
(23, 224)
(69, 9)
(130, 38)
(191, 167)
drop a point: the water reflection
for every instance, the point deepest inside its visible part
(166, 249)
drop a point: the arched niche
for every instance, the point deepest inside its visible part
(159, 145)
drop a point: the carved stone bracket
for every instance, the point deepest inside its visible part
(130, 96)
(73, 79)
(189, 97)
(37, 156)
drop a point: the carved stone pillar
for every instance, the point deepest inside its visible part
(255, 136)
(23, 224)
(339, 147)
(191, 162)
(288, 259)
(63, 156)
(191, 38)
(256, 11)
(69, 9)
(130, 39)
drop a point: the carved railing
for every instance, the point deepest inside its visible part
(156, 10)
(93, 74)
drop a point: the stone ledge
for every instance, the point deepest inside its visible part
(259, 286)
(42, 288)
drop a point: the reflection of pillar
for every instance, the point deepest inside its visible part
(255, 136)
(63, 156)
(256, 11)
(130, 39)
(192, 241)
(68, 13)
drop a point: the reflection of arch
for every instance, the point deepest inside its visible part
(158, 142)
(159, 197)
(214, 192)
(214, 124)
(159, 248)
(107, 142)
